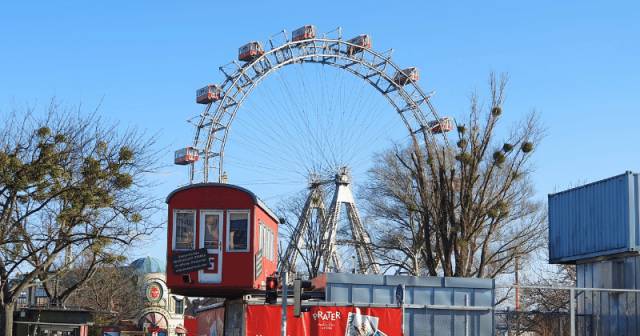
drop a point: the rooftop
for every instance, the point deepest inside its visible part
(147, 265)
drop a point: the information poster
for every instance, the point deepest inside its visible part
(325, 321)
(211, 322)
(190, 261)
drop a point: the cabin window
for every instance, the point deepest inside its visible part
(261, 238)
(267, 247)
(179, 305)
(184, 227)
(238, 231)
(211, 230)
(266, 241)
(270, 244)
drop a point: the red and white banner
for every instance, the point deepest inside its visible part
(325, 321)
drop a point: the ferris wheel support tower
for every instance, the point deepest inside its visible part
(361, 240)
(315, 201)
(327, 259)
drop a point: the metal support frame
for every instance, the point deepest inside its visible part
(327, 258)
(315, 201)
(572, 300)
(285, 299)
(361, 239)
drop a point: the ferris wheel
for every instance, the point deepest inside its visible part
(303, 106)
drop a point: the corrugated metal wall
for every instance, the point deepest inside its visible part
(234, 318)
(433, 305)
(596, 219)
(608, 313)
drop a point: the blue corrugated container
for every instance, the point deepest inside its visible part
(595, 220)
(433, 306)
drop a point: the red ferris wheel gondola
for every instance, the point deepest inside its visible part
(304, 33)
(250, 51)
(185, 156)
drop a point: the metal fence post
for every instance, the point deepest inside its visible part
(572, 300)
(283, 326)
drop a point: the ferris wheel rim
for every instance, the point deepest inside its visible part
(231, 89)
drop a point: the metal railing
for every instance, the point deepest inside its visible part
(563, 311)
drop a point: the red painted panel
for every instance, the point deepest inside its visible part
(191, 324)
(268, 266)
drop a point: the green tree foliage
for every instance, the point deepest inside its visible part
(71, 187)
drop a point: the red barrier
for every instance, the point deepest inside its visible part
(325, 321)
(191, 324)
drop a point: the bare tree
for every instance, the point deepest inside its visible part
(459, 208)
(112, 292)
(547, 311)
(70, 186)
(65, 276)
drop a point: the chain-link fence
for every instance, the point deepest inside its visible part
(569, 311)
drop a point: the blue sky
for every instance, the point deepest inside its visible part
(575, 62)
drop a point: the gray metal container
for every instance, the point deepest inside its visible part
(609, 313)
(595, 220)
(432, 305)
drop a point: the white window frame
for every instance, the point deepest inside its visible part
(174, 231)
(220, 214)
(265, 237)
(267, 249)
(259, 235)
(266, 243)
(175, 305)
(228, 230)
(270, 240)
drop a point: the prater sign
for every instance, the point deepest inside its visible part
(326, 321)
(190, 261)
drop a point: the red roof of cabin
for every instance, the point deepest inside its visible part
(255, 198)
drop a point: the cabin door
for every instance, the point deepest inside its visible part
(211, 239)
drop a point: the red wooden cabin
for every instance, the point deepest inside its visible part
(239, 232)
(185, 156)
(208, 94)
(250, 51)
(404, 76)
(440, 126)
(303, 33)
(360, 42)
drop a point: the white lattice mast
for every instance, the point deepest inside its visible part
(324, 257)
(315, 201)
(361, 240)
